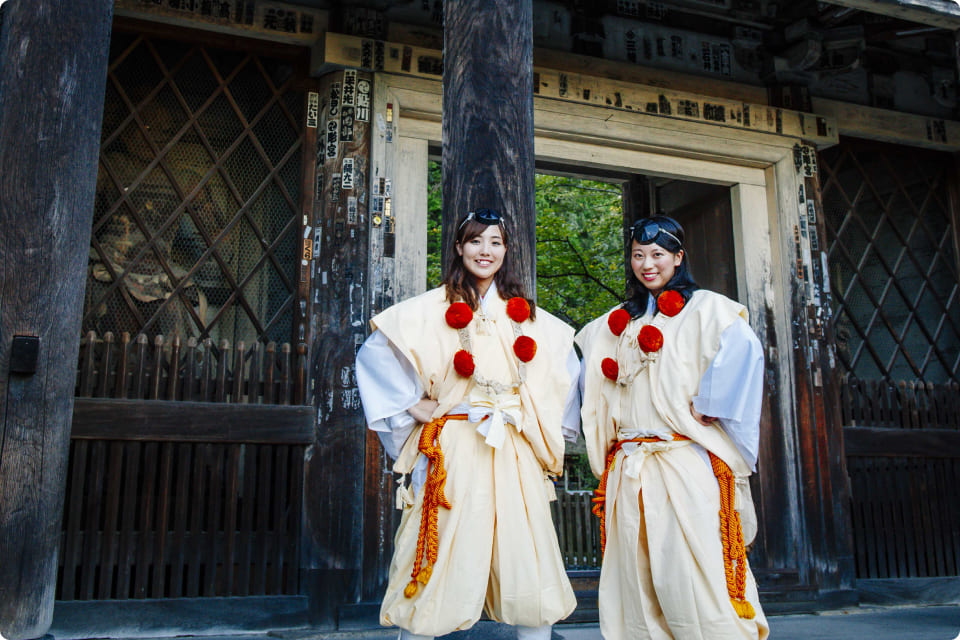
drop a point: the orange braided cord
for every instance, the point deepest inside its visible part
(600, 493)
(731, 533)
(428, 539)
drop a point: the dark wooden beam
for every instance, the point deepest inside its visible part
(162, 421)
(877, 441)
(53, 66)
(488, 156)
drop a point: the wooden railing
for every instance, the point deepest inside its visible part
(169, 369)
(902, 443)
(903, 405)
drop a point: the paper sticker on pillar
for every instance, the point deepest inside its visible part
(332, 141)
(333, 107)
(352, 210)
(388, 187)
(346, 124)
(362, 113)
(389, 131)
(335, 188)
(346, 177)
(313, 109)
(349, 87)
(307, 250)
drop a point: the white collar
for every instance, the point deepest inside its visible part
(491, 294)
(651, 304)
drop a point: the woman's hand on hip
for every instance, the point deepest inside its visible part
(699, 417)
(423, 411)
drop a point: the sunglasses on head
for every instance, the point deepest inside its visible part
(646, 231)
(483, 216)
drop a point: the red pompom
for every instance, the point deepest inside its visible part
(459, 315)
(650, 338)
(525, 347)
(617, 321)
(610, 368)
(518, 309)
(670, 303)
(463, 363)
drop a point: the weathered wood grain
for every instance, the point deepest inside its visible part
(488, 158)
(52, 84)
(117, 419)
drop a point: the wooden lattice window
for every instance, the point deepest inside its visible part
(198, 192)
(892, 261)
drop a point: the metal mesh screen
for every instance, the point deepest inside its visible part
(196, 222)
(893, 265)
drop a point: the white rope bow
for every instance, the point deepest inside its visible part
(493, 411)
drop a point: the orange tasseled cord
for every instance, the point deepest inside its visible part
(428, 540)
(734, 554)
(731, 533)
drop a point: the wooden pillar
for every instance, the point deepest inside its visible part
(636, 205)
(335, 468)
(488, 156)
(53, 66)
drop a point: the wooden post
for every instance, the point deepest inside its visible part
(636, 204)
(332, 559)
(53, 66)
(488, 156)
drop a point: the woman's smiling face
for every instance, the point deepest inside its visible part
(653, 265)
(483, 255)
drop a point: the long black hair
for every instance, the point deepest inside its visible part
(670, 237)
(461, 284)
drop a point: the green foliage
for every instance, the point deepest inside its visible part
(434, 215)
(579, 247)
(579, 244)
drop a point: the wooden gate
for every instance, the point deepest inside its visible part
(891, 225)
(186, 464)
(186, 471)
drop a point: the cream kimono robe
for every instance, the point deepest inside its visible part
(663, 574)
(498, 551)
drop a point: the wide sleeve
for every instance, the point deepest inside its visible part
(731, 389)
(599, 431)
(388, 386)
(570, 422)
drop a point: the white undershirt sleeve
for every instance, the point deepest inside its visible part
(389, 386)
(731, 389)
(570, 422)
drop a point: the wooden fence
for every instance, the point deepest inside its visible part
(186, 471)
(903, 456)
(578, 530)
(164, 369)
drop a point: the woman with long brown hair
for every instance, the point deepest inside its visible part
(467, 386)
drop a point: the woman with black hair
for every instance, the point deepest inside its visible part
(467, 386)
(672, 386)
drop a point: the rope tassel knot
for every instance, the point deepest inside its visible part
(428, 539)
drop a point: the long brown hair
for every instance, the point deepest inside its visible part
(462, 285)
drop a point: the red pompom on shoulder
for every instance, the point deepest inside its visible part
(610, 368)
(670, 303)
(617, 321)
(650, 338)
(518, 309)
(525, 347)
(463, 363)
(459, 315)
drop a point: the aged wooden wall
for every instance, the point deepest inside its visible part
(53, 60)
(488, 156)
